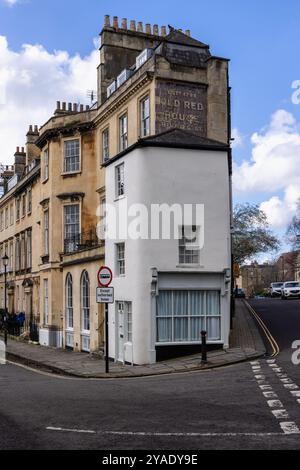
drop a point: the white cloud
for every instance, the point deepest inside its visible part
(11, 2)
(274, 168)
(238, 138)
(31, 81)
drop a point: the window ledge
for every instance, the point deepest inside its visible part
(119, 198)
(191, 265)
(65, 174)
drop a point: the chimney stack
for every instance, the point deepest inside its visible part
(140, 27)
(32, 151)
(188, 32)
(155, 30)
(87, 107)
(69, 107)
(74, 107)
(132, 25)
(124, 23)
(148, 28)
(20, 161)
(64, 106)
(106, 21)
(163, 31)
(81, 108)
(116, 22)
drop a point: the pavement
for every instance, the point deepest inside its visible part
(245, 344)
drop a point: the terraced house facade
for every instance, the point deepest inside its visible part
(166, 94)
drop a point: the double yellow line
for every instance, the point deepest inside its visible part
(271, 339)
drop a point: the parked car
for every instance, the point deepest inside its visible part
(275, 289)
(290, 290)
(239, 294)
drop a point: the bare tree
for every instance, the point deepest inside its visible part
(252, 235)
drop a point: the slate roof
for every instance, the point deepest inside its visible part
(178, 37)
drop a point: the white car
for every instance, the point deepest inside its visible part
(290, 290)
(275, 289)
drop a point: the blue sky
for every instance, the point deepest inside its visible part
(260, 37)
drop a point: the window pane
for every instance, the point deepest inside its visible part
(213, 303)
(213, 328)
(164, 330)
(164, 303)
(181, 329)
(197, 303)
(181, 303)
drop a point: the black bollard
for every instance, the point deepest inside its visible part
(203, 347)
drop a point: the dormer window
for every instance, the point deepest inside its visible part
(143, 57)
(111, 89)
(123, 77)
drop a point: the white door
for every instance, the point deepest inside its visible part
(121, 331)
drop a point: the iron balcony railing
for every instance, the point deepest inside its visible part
(81, 241)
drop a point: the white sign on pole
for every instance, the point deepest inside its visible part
(105, 295)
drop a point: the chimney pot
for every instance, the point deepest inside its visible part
(81, 108)
(180, 30)
(18, 150)
(75, 107)
(140, 27)
(188, 32)
(22, 150)
(30, 128)
(69, 107)
(116, 22)
(36, 129)
(87, 107)
(106, 21)
(124, 23)
(132, 25)
(148, 28)
(155, 29)
(64, 106)
(163, 31)
(58, 105)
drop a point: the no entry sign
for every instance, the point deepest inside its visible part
(104, 276)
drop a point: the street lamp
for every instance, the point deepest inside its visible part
(5, 260)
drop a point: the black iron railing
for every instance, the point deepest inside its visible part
(81, 241)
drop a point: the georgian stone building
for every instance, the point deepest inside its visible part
(160, 91)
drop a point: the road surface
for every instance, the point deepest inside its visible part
(246, 406)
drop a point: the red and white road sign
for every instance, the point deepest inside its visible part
(104, 276)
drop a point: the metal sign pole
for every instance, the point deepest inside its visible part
(106, 340)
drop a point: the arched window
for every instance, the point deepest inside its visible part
(85, 301)
(69, 302)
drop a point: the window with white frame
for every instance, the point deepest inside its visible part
(189, 249)
(23, 205)
(11, 214)
(1, 221)
(11, 255)
(69, 302)
(29, 201)
(71, 156)
(123, 133)
(17, 256)
(120, 252)
(85, 302)
(145, 116)
(182, 315)
(105, 145)
(46, 232)
(29, 249)
(23, 263)
(6, 217)
(46, 302)
(120, 184)
(71, 227)
(46, 164)
(18, 203)
(128, 310)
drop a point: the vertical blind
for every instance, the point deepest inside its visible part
(182, 315)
